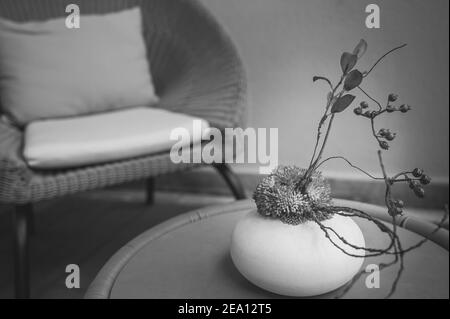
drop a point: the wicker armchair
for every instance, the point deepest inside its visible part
(196, 71)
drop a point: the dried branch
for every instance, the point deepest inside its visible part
(384, 55)
(371, 98)
(349, 163)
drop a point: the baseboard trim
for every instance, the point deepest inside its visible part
(207, 181)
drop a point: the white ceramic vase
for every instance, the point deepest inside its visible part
(295, 260)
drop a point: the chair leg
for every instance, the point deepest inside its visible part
(150, 191)
(31, 220)
(232, 180)
(21, 255)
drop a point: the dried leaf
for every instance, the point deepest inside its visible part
(342, 103)
(353, 80)
(360, 49)
(348, 62)
(322, 78)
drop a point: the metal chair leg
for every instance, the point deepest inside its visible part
(232, 180)
(21, 254)
(150, 191)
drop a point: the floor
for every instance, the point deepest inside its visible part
(87, 229)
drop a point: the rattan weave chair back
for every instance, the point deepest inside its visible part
(194, 65)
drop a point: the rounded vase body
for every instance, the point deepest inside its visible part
(295, 260)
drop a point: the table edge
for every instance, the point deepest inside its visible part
(102, 285)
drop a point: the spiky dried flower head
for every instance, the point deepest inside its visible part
(277, 196)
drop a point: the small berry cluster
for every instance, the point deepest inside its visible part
(420, 179)
(404, 108)
(387, 134)
(416, 179)
(384, 135)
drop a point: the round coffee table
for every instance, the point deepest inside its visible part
(188, 257)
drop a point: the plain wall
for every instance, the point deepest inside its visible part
(284, 43)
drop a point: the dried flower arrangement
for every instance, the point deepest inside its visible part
(295, 195)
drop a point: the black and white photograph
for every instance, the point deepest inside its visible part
(224, 156)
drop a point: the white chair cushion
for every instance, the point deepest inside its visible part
(101, 138)
(48, 71)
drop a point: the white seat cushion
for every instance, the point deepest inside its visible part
(94, 139)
